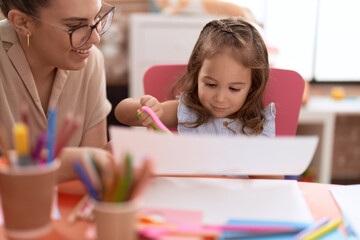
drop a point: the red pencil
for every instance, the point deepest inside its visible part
(66, 138)
(4, 145)
(143, 179)
(25, 114)
(62, 132)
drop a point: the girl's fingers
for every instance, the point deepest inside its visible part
(149, 128)
(146, 100)
(147, 121)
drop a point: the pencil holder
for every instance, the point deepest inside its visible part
(26, 199)
(116, 220)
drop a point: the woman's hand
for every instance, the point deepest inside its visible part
(103, 159)
(104, 172)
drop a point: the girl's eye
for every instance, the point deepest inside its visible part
(210, 84)
(234, 89)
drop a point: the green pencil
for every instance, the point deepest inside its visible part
(124, 183)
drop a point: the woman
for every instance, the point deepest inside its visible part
(48, 59)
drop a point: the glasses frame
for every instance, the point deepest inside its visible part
(92, 26)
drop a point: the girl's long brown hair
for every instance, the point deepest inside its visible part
(249, 49)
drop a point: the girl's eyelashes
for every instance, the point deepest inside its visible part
(210, 84)
(213, 85)
(234, 89)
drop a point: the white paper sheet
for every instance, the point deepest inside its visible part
(223, 199)
(198, 155)
(348, 199)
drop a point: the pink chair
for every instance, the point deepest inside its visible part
(285, 88)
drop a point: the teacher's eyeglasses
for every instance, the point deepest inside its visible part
(79, 35)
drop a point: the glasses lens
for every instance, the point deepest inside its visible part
(80, 36)
(105, 23)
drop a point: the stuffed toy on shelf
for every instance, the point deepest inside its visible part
(211, 7)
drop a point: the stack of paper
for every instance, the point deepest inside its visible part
(217, 155)
(223, 199)
(348, 199)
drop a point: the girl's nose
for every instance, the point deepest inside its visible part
(220, 95)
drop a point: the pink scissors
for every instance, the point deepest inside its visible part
(157, 124)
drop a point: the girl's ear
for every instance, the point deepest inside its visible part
(20, 21)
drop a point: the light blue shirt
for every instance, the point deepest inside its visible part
(222, 126)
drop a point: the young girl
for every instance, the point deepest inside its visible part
(222, 89)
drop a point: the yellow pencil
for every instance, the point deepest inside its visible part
(323, 230)
(21, 138)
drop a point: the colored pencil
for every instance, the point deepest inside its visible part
(62, 133)
(250, 228)
(67, 136)
(125, 181)
(25, 113)
(158, 230)
(92, 172)
(260, 234)
(72, 216)
(323, 230)
(86, 181)
(22, 144)
(39, 146)
(311, 228)
(143, 179)
(51, 134)
(4, 145)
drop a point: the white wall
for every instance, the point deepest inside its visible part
(338, 45)
(318, 38)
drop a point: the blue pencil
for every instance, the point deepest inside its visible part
(51, 134)
(248, 235)
(86, 181)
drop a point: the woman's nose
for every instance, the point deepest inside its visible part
(95, 37)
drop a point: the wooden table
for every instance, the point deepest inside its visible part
(317, 196)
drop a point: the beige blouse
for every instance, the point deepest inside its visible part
(82, 92)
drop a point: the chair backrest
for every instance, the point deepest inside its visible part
(285, 88)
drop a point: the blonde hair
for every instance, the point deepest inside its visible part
(249, 49)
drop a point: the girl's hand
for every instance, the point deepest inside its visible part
(152, 103)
